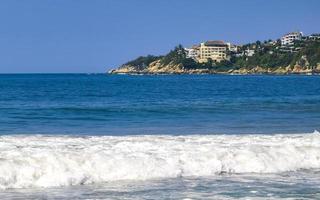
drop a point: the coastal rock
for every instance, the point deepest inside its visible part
(240, 71)
(280, 70)
(126, 69)
(258, 70)
(171, 68)
(157, 68)
(302, 66)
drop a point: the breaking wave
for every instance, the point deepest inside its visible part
(47, 161)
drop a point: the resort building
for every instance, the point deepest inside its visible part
(215, 50)
(193, 52)
(249, 52)
(288, 39)
(314, 37)
(233, 48)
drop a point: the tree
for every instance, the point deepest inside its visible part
(258, 43)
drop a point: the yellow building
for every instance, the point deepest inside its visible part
(216, 50)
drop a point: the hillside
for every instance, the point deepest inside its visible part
(268, 59)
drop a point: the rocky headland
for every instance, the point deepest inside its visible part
(304, 61)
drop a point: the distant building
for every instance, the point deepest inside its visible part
(288, 39)
(193, 52)
(272, 42)
(233, 48)
(249, 52)
(289, 49)
(314, 37)
(215, 50)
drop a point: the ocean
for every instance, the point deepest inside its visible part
(98, 136)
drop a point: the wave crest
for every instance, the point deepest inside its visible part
(46, 161)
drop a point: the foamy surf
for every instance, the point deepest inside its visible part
(46, 161)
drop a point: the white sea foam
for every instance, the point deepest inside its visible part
(46, 161)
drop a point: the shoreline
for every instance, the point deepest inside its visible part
(217, 73)
(227, 70)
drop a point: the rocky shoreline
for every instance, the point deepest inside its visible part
(155, 68)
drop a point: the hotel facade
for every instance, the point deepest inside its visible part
(216, 50)
(288, 39)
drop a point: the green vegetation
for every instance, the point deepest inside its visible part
(312, 52)
(261, 59)
(178, 56)
(274, 56)
(143, 61)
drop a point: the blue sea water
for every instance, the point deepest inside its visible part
(186, 104)
(97, 136)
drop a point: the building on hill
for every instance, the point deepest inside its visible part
(193, 52)
(249, 52)
(246, 52)
(289, 38)
(314, 37)
(233, 48)
(216, 50)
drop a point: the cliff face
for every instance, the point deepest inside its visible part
(153, 68)
(157, 68)
(301, 67)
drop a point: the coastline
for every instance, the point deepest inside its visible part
(241, 71)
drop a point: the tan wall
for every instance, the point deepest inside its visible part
(215, 53)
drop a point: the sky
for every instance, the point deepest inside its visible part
(93, 36)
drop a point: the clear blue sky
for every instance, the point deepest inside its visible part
(95, 35)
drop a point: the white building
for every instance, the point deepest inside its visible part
(314, 37)
(288, 39)
(233, 48)
(193, 52)
(249, 52)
